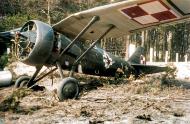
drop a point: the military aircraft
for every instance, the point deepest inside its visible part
(41, 45)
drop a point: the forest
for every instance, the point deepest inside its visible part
(163, 38)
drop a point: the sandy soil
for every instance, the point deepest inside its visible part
(151, 99)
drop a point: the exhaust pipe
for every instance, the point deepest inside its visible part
(5, 78)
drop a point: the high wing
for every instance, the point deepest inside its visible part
(126, 16)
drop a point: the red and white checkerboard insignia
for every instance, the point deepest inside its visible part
(149, 12)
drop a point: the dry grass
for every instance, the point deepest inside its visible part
(11, 102)
(103, 99)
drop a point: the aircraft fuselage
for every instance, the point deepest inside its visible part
(96, 62)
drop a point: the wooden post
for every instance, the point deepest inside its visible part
(166, 57)
(143, 37)
(131, 49)
(186, 57)
(8, 50)
(151, 54)
(127, 47)
(177, 57)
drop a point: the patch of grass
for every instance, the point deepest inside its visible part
(178, 113)
(26, 111)
(85, 113)
(96, 122)
(11, 103)
(144, 117)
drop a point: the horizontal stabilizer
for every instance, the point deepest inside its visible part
(149, 69)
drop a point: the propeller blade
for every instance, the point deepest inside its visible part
(29, 35)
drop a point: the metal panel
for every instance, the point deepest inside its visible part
(5, 78)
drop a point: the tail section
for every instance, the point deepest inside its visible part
(135, 58)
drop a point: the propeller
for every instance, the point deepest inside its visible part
(25, 40)
(33, 42)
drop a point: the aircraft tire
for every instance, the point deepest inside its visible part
(22, 81)
(68, 89)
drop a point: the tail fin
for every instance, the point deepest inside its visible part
(135, 58)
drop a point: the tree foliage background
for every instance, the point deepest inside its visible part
(14, 13)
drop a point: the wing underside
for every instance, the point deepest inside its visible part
(126, 16)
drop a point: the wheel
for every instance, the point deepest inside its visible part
(22, 81)
(68, 89)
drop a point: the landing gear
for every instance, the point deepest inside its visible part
(68, 89)
(22, 81)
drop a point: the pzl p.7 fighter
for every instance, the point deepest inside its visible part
(41, 45)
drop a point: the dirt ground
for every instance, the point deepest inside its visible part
(152, 99)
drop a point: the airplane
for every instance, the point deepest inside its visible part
(59, 45)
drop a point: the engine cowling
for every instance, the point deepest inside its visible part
(35, 43)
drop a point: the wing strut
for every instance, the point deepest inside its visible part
(85, 52)
(92, 21)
